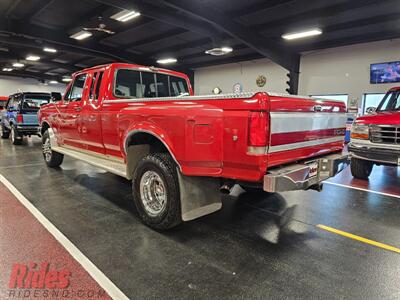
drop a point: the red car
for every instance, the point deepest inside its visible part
(375, 138)
(181, 150)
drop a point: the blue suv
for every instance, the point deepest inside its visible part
(19, 118)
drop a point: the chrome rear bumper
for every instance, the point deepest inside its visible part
(297, 176)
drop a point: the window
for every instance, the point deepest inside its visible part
(149, 85)
(13, 103)
(134, 84)
(95, 86)
(391, 102)
(371, 100)
(76, 90)
(178, 86)
(340, 97)
(128, 84)
(162, 85)
(33, 102)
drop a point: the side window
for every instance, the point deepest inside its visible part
(178, 86)
(162, 85)
(127, 84)
(76, 90)
(149, 85)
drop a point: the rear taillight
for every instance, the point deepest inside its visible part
(20, 118)
(258, 129)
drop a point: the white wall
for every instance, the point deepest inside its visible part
(346, 70)
(330, 71)
(12, 85)
(246, 73)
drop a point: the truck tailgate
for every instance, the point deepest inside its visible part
(302, 128)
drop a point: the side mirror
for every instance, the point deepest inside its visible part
(56, 96)
(370, 110)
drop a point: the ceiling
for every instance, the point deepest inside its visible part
(183, 30)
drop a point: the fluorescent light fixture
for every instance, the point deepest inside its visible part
(165, 61)
(219, 51)
(7, 69)
(18, 65)
(53, 81)
(66, 79)
(303, 34)
(125, 15)
(51, 50)
(32, 57)
(81, 35)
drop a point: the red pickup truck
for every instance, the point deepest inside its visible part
(375, 138)
(182, 150)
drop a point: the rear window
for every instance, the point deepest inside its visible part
(130, 83)
(33, 102)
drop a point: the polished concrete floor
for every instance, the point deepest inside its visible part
(240, 252)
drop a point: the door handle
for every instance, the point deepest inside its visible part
(78, 108)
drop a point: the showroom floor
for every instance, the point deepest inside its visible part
(238, 252)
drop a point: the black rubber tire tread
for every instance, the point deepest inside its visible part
(164, 165)
(16, 141)
(56, 158)
(361, 169)
(4, 133)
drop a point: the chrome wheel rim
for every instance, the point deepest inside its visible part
(153, 193)
(47, 150)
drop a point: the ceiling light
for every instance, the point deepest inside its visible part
(303, 34)
(32, 57)
(53, 81)
(125, 15)
(66, 79)
(81, 35)
(219, 51)
(7, 69)
(18, 65)
(165, 61)
(51, 50)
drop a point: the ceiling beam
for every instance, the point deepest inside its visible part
(249, 37)
(60, 40)
(27, 74)
(160, 14)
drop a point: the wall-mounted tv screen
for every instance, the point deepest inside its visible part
(385, 72)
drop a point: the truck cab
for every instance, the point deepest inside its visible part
(19, 118)
(375, 138)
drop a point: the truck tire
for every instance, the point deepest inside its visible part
(252, 190)
(16, 138)
(53, 159)
(155, 188)
(360, 168)
(4, 132)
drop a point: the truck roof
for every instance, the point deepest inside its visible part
(133, 66)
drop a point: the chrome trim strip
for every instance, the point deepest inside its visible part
(301, 97)
(369, 144)
(282, 122)
(244, 95)
(293, 146)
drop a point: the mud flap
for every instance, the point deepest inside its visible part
(200, 196)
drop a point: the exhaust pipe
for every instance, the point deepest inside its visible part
(226, 188)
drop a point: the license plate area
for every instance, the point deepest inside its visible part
(314, 166)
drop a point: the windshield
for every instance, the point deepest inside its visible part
(33, 102)
(391, 102)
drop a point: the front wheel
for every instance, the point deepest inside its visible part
(16, 138)
(53, 159)
(156, 191)
(360, 168)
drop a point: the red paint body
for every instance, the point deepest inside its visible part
(207, 137)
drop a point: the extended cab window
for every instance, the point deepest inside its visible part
(76, 90)
(135, 84)
(128, 84)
